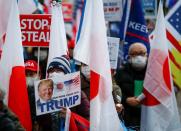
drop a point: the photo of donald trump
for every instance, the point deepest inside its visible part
(45, 90)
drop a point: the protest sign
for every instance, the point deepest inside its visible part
(52, 94)
(150, 8)
(113, 45)
(35, 29)
(113, 10)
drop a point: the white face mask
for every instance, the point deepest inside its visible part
(55, 74)
(30, 81)
(139, 62)
(86, 71)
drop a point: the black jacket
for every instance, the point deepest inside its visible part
(125, 78)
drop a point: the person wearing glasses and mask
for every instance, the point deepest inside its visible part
(130, 80)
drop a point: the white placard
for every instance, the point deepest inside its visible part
(113, 10)
(52, 94)
(113, 45)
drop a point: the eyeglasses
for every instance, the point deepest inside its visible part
(138, 54)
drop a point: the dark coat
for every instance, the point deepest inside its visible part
(9, 121)
(125, 78)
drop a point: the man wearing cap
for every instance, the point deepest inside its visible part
(31, 69)
(130, 80)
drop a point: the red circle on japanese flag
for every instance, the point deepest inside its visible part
(150, 100)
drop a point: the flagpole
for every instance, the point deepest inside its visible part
(38, 60)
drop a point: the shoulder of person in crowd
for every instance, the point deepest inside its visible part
(6, 124)
(13, 117)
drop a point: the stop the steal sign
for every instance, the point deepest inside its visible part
(35, 29)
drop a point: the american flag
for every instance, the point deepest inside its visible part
(75, 82)
(175, 20)
(173, 25)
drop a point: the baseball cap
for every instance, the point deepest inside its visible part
(31, 65)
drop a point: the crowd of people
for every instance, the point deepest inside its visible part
(127, 85)
(124, 83)
(127, 88)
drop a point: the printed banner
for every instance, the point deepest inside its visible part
(35, 29)
(113, 10)
(113, 45)
(62, 91)
(150, 8)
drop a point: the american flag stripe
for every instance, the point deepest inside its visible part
(73, 82)
(175, 68)
(174, 42)
(172, 58)
(76, 80)
(176, 74)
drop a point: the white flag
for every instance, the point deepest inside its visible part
(13, 79)
(159, 110)
(58, 41)
(92, 49)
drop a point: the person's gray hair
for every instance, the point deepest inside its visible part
(136, 44)
(2, 94)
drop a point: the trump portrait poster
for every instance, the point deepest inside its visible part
(61, 91)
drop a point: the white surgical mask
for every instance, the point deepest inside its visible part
(86, 71)
(138, 62)
(56, 74)
(30, 81)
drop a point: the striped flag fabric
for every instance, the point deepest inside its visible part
(73, 82)
(159, 109)
(173, 25)
(12, 70)
(92, 49)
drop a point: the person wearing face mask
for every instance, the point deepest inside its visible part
(31, 68)
(85, 79)
(130, 80)
(58, 67)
